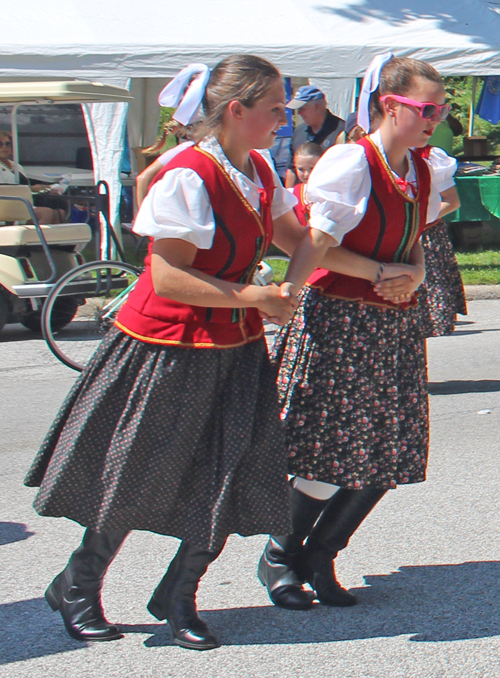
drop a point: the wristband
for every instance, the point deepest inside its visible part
(379, 274)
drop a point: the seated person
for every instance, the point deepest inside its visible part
(49, 207)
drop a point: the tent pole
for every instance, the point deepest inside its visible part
(15, 140)
(470, 132)
(355, 93)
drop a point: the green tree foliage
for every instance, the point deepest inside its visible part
(459, 94)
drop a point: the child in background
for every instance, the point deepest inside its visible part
(306, 156)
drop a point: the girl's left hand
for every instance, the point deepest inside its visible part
(399, 290)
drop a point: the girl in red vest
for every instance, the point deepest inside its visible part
(442, 294)
(174, 425)
(306, 156)
(352, 378)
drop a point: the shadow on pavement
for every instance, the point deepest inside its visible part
(30, 629)
(429, 603)
(12, 532)
(17, 332)
(450, 387)
(462, 333)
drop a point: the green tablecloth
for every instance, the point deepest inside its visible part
(479, 198)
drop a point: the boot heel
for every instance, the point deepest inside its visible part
(155, 609)
(50, 597)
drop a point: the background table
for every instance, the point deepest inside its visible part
(75, 176)
(81, 185)
(479, 198)
(47, 174)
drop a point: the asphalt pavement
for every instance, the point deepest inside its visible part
(425, 564)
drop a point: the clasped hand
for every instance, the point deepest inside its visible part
(277, 304)
(399, 282)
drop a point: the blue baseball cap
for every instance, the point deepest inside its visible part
(305, 94)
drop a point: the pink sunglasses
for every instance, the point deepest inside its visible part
(427, 110)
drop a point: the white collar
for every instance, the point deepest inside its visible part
(376, 137)
(211, 145)
(411, 175)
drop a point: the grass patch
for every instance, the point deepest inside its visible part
(131, 256)
(479, 268)
(279, 269)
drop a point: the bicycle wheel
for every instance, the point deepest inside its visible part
(98, 290)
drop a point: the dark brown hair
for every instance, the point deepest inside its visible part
(398, 77)
(241, 77)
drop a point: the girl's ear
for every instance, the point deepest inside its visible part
(235, 110)
(390, 106)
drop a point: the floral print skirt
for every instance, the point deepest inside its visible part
(353, 390)
(179, 441)
(442, 295)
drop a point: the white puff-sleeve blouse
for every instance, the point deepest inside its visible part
(339, 186)
(178, 206)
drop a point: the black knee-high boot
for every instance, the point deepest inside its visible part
(175, 598)
(345, 512)
(280, 567)
(76, 591)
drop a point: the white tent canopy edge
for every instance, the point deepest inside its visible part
(328, 41)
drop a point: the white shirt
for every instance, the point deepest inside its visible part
(178, 206)
(7, 176)
(340, 184)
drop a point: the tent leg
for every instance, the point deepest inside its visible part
(470, 131)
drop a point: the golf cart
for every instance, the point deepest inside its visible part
(34, 256)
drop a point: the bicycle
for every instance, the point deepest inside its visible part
(98, 289)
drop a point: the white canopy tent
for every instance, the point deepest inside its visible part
(142, 44)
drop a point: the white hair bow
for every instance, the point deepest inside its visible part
(186, 93)
(371, 81)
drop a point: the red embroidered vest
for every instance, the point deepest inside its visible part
(241, 238)
(392, 224)
(301, 209)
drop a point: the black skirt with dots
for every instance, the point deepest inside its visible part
(183, 442)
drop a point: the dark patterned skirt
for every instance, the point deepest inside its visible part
(183, 442)
(442, 295)
(353, 390)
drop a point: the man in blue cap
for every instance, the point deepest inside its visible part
(319, 126)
